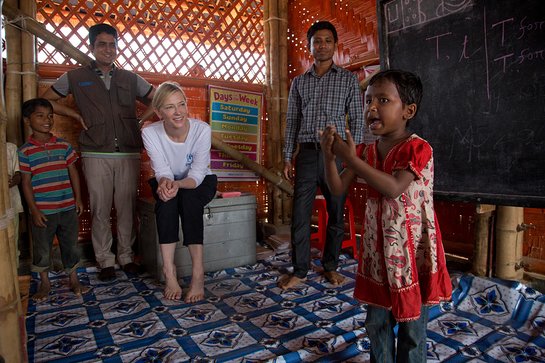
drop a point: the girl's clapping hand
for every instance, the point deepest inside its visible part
(327, 139)
(344, 150)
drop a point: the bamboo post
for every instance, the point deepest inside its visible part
(10, 303)
(11, 319)
(483, 216)
(283, 92)
(509, 238)
(274, 109)
(13, 81)
(28, 62)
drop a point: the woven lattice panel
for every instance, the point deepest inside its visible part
(356, 24)
(211, 39)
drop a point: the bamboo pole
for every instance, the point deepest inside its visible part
(13, 81)
(483, 216)
(28, 62)
(274, 107)
(283, 99)
(11, 318)
(11, 347)
(509, 238)
(277, 180)
(12, 343)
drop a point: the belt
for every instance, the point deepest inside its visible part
(310, 145)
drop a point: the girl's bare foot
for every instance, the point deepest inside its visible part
(196, 290)
(172, 291)
(43, 292)
(334, 277)
(289, 281)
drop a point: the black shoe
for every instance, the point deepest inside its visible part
(107, 274)
(132, 268)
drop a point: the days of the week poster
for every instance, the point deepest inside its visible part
(235, 119)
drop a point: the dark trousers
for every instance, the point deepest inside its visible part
(187, 206)
(309, 174)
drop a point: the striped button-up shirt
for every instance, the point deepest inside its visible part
(316, 102)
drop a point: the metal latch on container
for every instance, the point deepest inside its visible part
(208, 213)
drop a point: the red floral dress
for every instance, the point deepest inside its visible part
(402, 262)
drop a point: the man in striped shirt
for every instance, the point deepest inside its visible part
(324, 95)
(51, 188)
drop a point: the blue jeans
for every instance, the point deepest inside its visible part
(411, 336)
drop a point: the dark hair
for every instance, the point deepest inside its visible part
(30, 106)
(96, 29)
(321, 25)
(409, 85)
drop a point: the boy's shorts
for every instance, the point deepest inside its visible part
(65, 226)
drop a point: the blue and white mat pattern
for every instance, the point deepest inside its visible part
(246, 318)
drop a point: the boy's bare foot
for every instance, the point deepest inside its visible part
(42, 293)
(196, 290)
(173, 290)
(334, 277)
(78, 289)
(289, 281)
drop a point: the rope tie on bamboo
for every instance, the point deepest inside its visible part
(275, 18)
(6, 218)
(22, 73)
(19, 19)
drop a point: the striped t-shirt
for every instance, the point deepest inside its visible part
(48, 163)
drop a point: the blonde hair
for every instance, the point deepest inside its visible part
(164, 90)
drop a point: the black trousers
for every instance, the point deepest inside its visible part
(188, 205)
(309, 175)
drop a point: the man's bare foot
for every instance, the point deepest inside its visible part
(290, 281)
(334, 277)
(173, 290)
(42, 293)
(196, 290)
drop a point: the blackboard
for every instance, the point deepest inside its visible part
(482, 64)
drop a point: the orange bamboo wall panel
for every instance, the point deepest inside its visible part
(534, 240)
(356, 24)
(456, 221)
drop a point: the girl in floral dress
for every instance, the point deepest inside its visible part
(402, 268)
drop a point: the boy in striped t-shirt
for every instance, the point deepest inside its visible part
(51, 187)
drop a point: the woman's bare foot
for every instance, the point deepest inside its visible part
(173, 290)
(77, 288)
(289, 281)
(43, 292)
(196, 290)
(334, 277)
